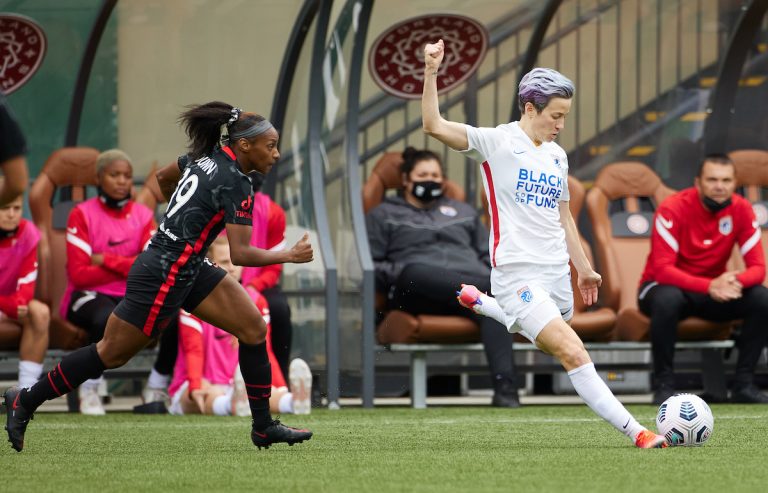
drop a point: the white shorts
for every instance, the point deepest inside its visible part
(532, 295)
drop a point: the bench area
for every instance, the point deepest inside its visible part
(712, 367)
(137, 368)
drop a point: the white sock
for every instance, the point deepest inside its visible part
(601, 400)
(91, 383)
(489, 307)
(222, 405)
(158, 380)
(29, 372)
(285, 405)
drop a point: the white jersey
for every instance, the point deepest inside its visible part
(524, 185)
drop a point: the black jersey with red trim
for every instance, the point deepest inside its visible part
(211, 193)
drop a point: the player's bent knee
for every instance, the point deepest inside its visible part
(578, 358)
(112, 355)
(39, 311)
(255, 333)
(39, 318)
(572, 354)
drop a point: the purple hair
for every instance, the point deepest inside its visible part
(542, 84)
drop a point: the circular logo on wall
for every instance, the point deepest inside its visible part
(396, 59)
(22, 48)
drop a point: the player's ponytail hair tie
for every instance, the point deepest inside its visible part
(224, 129)
(235, 112)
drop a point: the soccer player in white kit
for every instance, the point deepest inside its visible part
(525, 175)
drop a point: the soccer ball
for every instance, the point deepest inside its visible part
(685, 419)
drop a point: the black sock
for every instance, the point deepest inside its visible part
(169, 347)
(76, 367)
(257, 374)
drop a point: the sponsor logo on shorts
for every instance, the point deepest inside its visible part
(525, 294)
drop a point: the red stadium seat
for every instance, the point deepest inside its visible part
(590, 323)
(72, 169)
(752, 175)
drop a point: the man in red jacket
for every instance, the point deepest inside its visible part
(694, 233)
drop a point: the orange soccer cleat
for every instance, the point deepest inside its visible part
(649, 439)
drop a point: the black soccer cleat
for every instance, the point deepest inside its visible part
(17, 418)
(277, 432)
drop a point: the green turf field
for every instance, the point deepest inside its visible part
(473, 449)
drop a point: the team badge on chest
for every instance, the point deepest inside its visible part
(725, 226)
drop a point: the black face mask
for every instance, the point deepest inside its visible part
(716, 207)
(427, 191)
(110, 202)
(257, 181)
(4, 233)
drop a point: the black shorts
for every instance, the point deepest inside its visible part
(151, 300)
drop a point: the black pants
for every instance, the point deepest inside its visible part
(667, 305)
(91, 310)
(427, 290)
(282, 329)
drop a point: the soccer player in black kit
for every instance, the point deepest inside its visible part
(208, 189)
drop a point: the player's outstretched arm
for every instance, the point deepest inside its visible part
(243, 253)
(452, 134)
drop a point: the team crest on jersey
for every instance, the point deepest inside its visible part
(525, 294)
(725, 225)
(449, 211)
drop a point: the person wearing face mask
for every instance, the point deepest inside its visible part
(104, 236)
(686, 274)
(424, 246)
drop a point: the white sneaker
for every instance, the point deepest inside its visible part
(240, 405)
(90, 401)
(150, 394)
(300, 378)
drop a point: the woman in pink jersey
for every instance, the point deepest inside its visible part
(206, 378)
(104, 236)
(23, 319)
(533, 234)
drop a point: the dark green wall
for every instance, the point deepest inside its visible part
(42, 105)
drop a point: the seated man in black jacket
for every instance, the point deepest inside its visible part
(424, 245)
